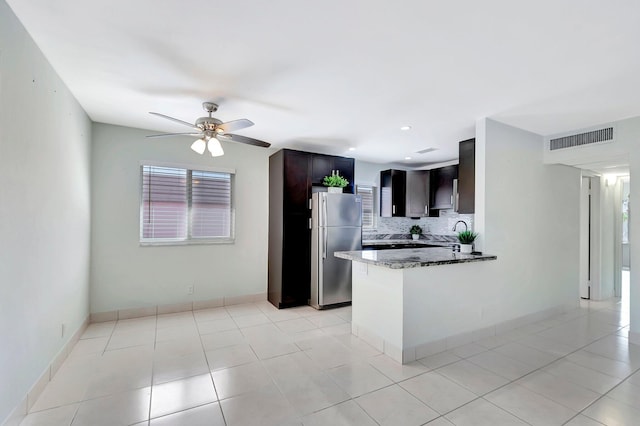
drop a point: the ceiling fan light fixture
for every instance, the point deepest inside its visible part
(199, 146)
(215, 148)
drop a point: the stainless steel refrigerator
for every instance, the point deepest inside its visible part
(336, 225)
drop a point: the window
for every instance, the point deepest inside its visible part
(368, 210)
(183, 205)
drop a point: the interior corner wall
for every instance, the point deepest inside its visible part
(529, 219)
(125, 274)
(44, 213)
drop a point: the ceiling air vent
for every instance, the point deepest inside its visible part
(426, 150)
(596, 136)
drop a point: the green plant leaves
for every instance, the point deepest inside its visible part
(467, 237)
(335, 180)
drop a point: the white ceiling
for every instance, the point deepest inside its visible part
(329, 75)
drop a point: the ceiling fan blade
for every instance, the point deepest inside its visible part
(230, 126)
(176, 120)
(242, 139)
(175, 134)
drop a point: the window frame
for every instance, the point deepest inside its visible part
(374, 205)
(189, 240)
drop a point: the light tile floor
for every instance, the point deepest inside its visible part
(253, 364)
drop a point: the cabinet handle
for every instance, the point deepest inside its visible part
(394, 209)
(426, 209)
(310, 223)
(454, 196)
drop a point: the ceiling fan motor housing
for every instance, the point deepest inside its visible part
(208, 123)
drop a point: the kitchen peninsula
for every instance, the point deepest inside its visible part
(408, 302)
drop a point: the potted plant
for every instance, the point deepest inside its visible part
(335, 182)
(415, 231)
(466, 239)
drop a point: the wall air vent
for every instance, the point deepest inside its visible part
(586, 138)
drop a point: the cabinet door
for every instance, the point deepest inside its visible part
(346, 168)
(392, 193)
(417, 194)
(296, 182)
(296, 260)
(399, 187)
(442, 187)
(467, 177)
(321, 166)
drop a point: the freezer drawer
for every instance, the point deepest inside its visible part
(331, 276)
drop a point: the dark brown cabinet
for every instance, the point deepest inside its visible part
(324, 165)
(467, 176)
(292, 174)
(417, 193)
(393, 185)
(404, 193)
(442, 189)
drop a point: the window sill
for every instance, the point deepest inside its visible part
(202, 242)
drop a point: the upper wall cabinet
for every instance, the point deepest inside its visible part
(404, 193)
(467, 176)
(417, 193)
(442, 183)
(392, 193)
(324, 165)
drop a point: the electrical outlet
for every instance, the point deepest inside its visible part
(190, 289)
(62, 330)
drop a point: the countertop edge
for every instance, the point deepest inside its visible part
(356, 256)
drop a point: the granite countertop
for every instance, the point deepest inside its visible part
(382, 243)
(390, 239)
(412, 258)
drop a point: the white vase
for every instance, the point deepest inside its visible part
(466, 248)
(334, 190)
(415, 236)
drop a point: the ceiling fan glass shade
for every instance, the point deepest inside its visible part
(199, 146)
(215, 148)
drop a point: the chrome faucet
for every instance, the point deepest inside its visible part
(466, 228)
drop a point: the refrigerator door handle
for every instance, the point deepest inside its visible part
(323, 223)
(324, 242)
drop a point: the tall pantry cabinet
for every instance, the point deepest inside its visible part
(293, 175)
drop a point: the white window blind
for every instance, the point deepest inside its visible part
(368, 209)
(183, 205)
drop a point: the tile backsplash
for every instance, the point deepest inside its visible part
(430, 225)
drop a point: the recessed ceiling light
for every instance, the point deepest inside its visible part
(405, 128)
(407, 158)
(352, 149)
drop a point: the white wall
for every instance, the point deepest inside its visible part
(44, 212)
(127, 275)
(625, 148)
(530, 221)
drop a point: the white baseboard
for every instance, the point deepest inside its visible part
(21, 410)
(175, 308)
(407, 355)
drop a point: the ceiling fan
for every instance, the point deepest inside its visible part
(211, 131)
